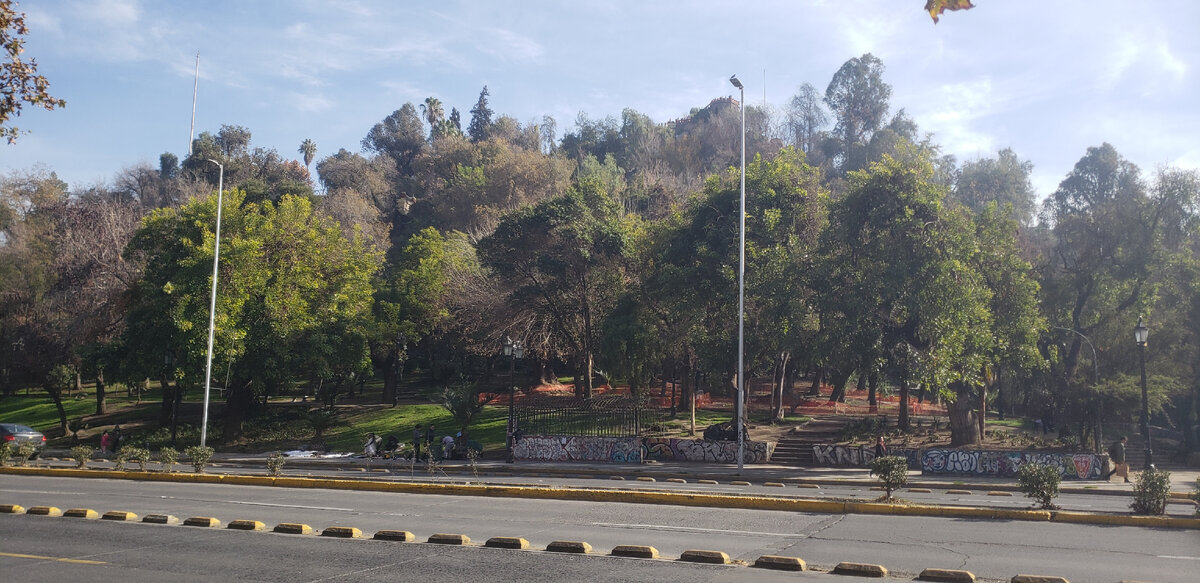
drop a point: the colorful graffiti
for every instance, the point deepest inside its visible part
(632, 449)
(1005, 463)
(703, 450)
(859, 456)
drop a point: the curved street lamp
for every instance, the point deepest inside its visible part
(1095, 381)
(1140, 334)
(741, 370)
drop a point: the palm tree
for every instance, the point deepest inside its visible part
(309, 149)
(434, 113)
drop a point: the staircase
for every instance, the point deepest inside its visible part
(1135, 454)
(795, 449)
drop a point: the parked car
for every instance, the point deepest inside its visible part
(17, 434)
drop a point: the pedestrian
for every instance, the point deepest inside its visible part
(430, 439)
(447, 447)
(1116, 454)
(105, 442)
(880, 448)
(371, 447)
(417, 442)
(115, 438)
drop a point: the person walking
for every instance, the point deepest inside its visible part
(105, 442)
(880, 448)
(115, 438)
(417, 442)
(1116, 454)
(430, 440)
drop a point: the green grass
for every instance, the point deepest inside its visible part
(1014, 422)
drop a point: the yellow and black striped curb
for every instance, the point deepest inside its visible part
(704, 556)
(293, 528)
(635, 551)
(87, 513)
(442, 538)
(780, 563)
(12, 509)
(569, 546)
(507, 542)
(342, 532)
(691, 499)
(161, 519)
(1037, 579)
(203, 521)
(947, 576)
(402, 536)
(44, 511)
(246, 525)
(860, 570)
(120, 515)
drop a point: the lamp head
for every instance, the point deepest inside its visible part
(1141, 332)
(733, 79)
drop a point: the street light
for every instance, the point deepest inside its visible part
(212, 308)
(513, 349)
(1140, 334)
(741, 372)
(1095, 381)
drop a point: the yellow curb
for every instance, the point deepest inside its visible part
(569, 546)
(1037, 579)
(702, 556)
(293, 528)
(920, 490)
(677, 480)
(402, 536)
(710, 482)
(44, 511)
(646, 479)
(999, 493)
(773, 484)
(813, 486)
(947, 576)
(87, 513)
(959, 492)
(119, 515)
(342, 532)
(622, 478)
(160, 519)
(507, 542)
(205, 521)
(449, 539)
(635, 551)
(860, 570)
(780, 563)
(739, 483)
(12, 509)
(246, 525)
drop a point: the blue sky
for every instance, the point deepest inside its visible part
(1048, 79)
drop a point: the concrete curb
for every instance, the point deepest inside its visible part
(507, 542)
(202, 521)
(246, 525)
(707, 557)
(778, 563)
(947, 576)
(44, 511)
(400, 536)
(293, 528)
(120, 515)
(715, 500)
(160, 519)
(449, 539)
(860, 570)
(86, 513)
(569, 546)
(342, 532)
(635, 551)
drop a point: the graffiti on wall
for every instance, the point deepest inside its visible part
(858, 456)
(704, 450)
(632, 449)
(1005, 463)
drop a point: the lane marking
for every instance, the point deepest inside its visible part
(1179, 557)
(271, 504)
(696, 529)
(59, 559)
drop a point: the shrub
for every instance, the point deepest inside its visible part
(200, 457)
(892, 471)
(168, 456)
(1039, 482)
(1196, 497)
(1150, 492)
(82, 454)
(6, 452)
(132, 453)
(275, 464)
(25, 451)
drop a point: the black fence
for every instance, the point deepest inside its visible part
(605, 416)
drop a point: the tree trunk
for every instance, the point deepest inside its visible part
(983, 390)
(164, 411)
(873, 391)
(389, 379)
(62, 413)
(963, 427)
(237, 406)
(838, 395)
(902, 421)
(78, 382)
(777, 414)
(101, 400)
(815, 389)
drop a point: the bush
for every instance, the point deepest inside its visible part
(132, 453)
(25, 451)
(82, 455)
(1150, 492)
(168, 456)
(275, 464)
(200, 457)
(1039, 482)
(892, 471)
(1196, 497)
(6, 453)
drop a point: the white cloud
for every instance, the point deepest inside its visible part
(510, 46)
(310, 103)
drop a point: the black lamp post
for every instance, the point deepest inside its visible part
(513, 349)
(1140, 334)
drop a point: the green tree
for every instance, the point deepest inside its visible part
(20, 84)
(859, 99)
(400, 136)
(481, 118)
(1003, 179)
(308, 149)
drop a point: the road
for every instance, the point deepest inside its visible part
(994, 550)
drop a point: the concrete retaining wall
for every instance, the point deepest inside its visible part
(633, 449)
(1072, 466)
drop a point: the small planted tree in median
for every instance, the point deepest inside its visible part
(892, 472)
(1151, 491)
(1040, 483)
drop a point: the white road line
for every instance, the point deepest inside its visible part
(289, 506)
(1177, 557)
(694, 529)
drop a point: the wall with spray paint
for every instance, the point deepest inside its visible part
(847, 456)
(1084, 466)
(634, 449)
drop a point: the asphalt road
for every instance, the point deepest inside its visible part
(906, 545)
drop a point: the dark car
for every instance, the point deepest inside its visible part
(17, 434)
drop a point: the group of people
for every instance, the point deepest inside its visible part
(375, 446)
(110, 440)
(424, 440)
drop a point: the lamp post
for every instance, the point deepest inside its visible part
(212, 308)
(1140, 334)
(741, 371)
(1095, 381)
(513, 349)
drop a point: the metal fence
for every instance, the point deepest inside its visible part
(603, 416)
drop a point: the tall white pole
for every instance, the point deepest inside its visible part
(195, 90)
(741, 374)
(212, 308)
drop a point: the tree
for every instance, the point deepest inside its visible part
(859, 98)
(434, 115)
(308, 149)
(19, 82)
(561, 260)
(806, 118)
(400, 136)
(1003, 179)
(481, 118)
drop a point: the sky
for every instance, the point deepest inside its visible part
(1047, 79)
